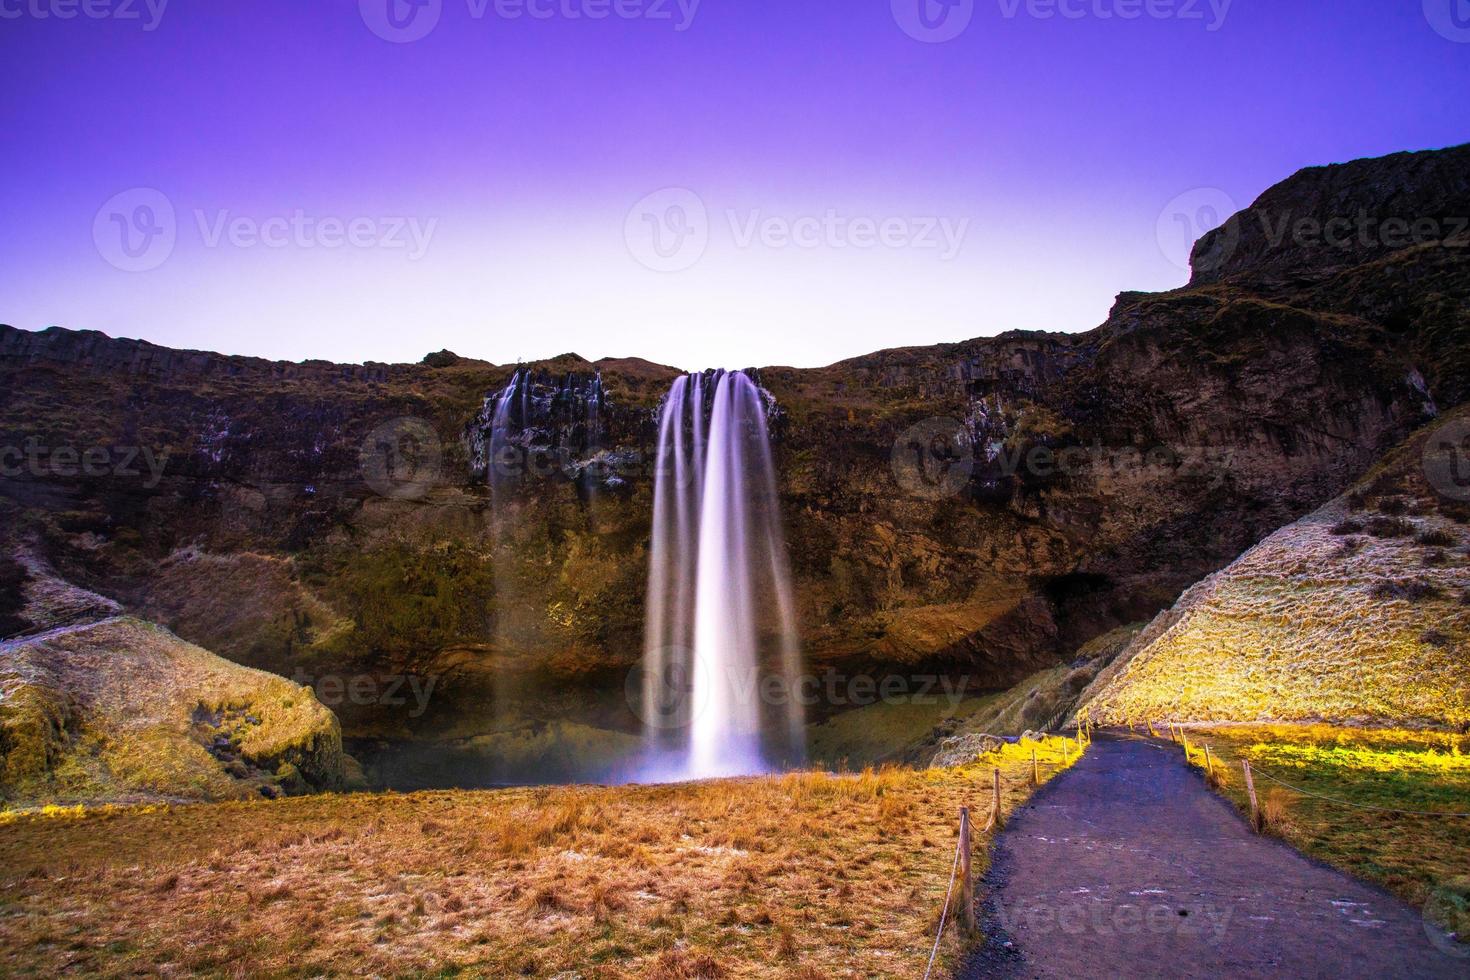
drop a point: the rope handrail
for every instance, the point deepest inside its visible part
(1357, 806)
(944, 915)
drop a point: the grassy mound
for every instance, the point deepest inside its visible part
(1358, 614)
(122, 709)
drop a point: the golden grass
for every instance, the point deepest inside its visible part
(806, 874)
(1412, 856)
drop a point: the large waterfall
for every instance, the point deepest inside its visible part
(721, 622)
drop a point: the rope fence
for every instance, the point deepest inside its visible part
(960, 870)
(948, 894)
(1177, 735)
(1356, 806)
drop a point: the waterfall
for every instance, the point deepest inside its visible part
(720, 615)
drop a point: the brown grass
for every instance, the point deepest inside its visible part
(807, 874)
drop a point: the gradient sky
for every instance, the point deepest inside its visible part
(522, 145)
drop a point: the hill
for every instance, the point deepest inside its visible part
(1358, 613)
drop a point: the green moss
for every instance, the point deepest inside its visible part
(886, 732)
(404, 598)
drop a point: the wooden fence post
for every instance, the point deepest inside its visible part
(996, 796)
(1150, 726)
(1250, 788)
(967, 883)
(1209, 763)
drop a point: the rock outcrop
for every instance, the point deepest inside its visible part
(118, 710)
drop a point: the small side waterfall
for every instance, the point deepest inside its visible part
(721, 620)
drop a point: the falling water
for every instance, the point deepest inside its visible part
(720, 613)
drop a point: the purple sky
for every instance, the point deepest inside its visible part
(1015, 176)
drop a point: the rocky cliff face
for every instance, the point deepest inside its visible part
(981, 508)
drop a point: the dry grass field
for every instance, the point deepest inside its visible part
(802, 875)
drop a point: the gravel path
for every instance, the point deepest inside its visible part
(1127, 865)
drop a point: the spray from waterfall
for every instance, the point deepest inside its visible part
(721, 619)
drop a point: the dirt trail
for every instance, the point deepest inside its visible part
(1127, 865)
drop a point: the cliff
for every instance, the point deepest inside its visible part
(980, 508)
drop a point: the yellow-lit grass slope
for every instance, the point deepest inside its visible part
(110, 710)
(1359, 613)
(1416, 857)
(805, 875)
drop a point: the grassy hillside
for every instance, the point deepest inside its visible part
(1359, 614)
